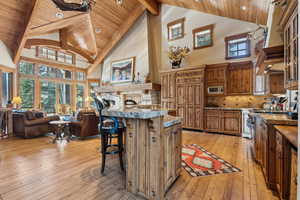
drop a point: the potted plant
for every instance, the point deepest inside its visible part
(176, 54)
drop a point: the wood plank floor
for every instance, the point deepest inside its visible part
(37, 169)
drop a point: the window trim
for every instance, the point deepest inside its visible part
(235, 37)
(200, 29)
(178, 21)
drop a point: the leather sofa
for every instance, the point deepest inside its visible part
(31, 124)
(86, 124)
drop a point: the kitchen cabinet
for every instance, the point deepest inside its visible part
(190, 97)
(289, 23)
(215, 75)
(223, 121)
(172, 154)
(276, 83)
(240, 78)
(168, 90)
(293, 175)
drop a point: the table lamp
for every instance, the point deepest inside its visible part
(18, 101)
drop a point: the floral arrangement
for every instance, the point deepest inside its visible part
(176, 54)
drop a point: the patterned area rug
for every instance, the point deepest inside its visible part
(199, 162)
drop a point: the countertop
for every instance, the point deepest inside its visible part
(227, 108)
(134, 113)
(276, 119)
(171, 120)
(290, 133)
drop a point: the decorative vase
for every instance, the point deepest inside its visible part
(176, 64)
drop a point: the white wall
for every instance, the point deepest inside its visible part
(133, 44)
(194, 19)
(5, 56)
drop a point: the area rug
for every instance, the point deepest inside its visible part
(199, 162)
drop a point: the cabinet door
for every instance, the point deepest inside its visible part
(279, 160)
(276, 83)
(190, 117)
(181, 112)
(231, 122)
(178, 146)
(199, 106)
(264, 146)
(293, 176)
(181, 98)
(168, 157)
(212, 121)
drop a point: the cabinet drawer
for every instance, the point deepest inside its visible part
(212, 112)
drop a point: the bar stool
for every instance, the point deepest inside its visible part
(109, 128)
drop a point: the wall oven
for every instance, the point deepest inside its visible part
(215, 90)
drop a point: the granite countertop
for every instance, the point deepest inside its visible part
(290, 133)
(276, 119)
(171, 120)
(134, 113)
(226, 108)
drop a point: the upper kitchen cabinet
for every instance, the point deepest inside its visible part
(215, 79)
(240, 78)
(276, 80)
(289, 24)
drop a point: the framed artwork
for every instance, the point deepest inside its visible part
(203, 36)
(176, 29)
(122, 70)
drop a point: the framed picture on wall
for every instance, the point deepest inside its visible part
(176, 29)
(203, 36)
(122, 70)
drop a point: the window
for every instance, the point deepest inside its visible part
(64, 93)
(52, 54)
(26, 68)
(203, 37)
(50, 72)
(6, 87)
(80, 76)
(48, 96)
(27, 92)
(79, 96)
(237, 46)
(93, 85)
(176, 29)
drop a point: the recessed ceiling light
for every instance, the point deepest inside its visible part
(59, 15)
(119, 2)
(244, 8)
(97, 30)
(197, 0)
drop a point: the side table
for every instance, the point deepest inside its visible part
(59, 127)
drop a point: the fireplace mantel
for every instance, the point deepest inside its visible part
(128, 87)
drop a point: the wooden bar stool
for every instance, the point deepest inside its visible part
(110, 128)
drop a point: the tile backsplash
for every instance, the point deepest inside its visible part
(237, 101)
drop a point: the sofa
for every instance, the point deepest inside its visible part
(86, 124)
(31, 124)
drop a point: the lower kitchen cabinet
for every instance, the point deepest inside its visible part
(172, 159)
(293, 179)
(223, 121)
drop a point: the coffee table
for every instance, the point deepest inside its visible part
(59, 127)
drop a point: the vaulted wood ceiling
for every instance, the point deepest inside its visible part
(22, 19)
(255, 11)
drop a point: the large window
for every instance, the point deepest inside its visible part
(27, 92)
(55, 55)
(6, 87)
(79, 96)
(26, 68)
(64, 93)
(51, 72)
(48, 96)
(237, 46)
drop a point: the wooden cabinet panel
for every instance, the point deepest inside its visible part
(231, 122)
(172, 154)
(181, 112)
(181, 95)
(293, 175)
(215, 75)
(190, 117)
(276, 83)
(168, 91)
(240, 78)
(212, 121)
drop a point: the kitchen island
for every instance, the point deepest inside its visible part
(152, 148)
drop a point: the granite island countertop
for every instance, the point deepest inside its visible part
(134, 113)
(171, 120)
(290, 133)
(276, 119)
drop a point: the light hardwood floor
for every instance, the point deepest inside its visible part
(36, 169)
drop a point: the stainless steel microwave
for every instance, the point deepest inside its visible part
(215, 90)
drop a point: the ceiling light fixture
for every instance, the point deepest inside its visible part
(244, 8)
(59, 15)
(119, 2)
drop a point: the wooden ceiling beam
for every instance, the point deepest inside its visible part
(53, 43)
(23, 36)
(151, 5)
(117, 36)
(57, 25)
